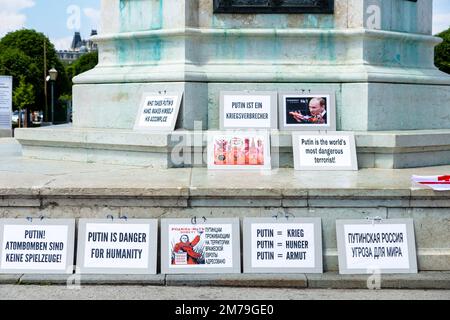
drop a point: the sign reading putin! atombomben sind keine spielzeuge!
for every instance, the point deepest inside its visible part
(37, 246)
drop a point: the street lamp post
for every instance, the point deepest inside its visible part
(53, 75)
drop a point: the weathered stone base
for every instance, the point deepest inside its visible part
(63, 189)
(379, 149)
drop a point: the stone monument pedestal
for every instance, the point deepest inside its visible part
(376, 55)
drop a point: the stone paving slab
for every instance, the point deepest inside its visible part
(238, 280)
(422, 280)
(329, 280)
(21, 176)
(10, 278)
(122, 279)
(46, 279)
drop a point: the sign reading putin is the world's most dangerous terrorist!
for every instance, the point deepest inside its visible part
(36, 246)
(376, 246)
(117, 246)
(292, 245)
(332, 151)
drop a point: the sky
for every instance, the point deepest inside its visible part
(59, 19)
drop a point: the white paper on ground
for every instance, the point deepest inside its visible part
(438, 183)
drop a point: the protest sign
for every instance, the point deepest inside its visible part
(158, 112)
(307, 111)
(384, 246)
(332, 151)
(248, 110)
(210, 246)
(37, 246)
(282, 245)
(239, 150)
(117, 246)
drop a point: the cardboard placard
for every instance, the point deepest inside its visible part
(385, 246)
(292, 245)
(239, 150)
(307, 111)
(158, 112)
(248, 110)
(37, 246)
(117, 246)
(211, 246)
(324, 151)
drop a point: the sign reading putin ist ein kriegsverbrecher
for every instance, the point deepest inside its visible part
(248, 110)
(117, 246)
(376, 246)
(37, 246)
(282, 245)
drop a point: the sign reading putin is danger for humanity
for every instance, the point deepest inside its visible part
(36, 247)
(117, 246)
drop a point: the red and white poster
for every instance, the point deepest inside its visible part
(438, 183)
(194, 246)
(239, 150)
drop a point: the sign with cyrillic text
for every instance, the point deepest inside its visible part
(248, 110)
(158, 112)
(117, 246)
(282, 245)
(37, 246)
(376, 246)
(331, 151)
(203, 246)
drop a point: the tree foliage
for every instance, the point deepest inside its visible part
(442, 53)
(84, 63)
(23, 96)
(22, 55)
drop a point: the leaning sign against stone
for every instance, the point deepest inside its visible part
(209, 246)
(37, 246)
(282, 245)
(158, 112)
(376, 246)
(117, 246)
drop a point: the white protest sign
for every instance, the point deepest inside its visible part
(332, 151)
(117, 246)
(386, 246)
(158, 112)
(244, 110)
(292, 245)
(5, 102)
(210, 247)
(36, 247)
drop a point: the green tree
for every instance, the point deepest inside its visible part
(84, 63)
(22, 54)
(23, 96)
(442, 52)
